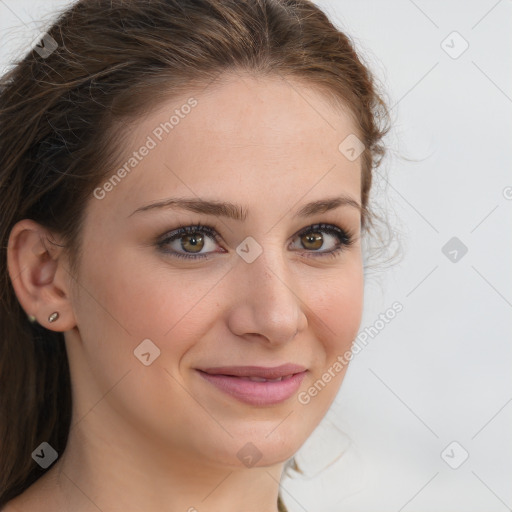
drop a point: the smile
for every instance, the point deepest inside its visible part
(256, 390)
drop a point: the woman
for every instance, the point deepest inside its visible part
(184, 192)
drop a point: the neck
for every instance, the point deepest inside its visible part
(98, 472)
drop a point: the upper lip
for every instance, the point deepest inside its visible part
(256, 371)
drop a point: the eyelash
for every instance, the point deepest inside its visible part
(345, 238)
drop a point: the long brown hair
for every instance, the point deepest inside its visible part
(63, 116)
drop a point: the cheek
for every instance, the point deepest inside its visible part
(147, 296)
(339, 305)
(338, 311)
(126, 300)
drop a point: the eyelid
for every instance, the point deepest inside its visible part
(192, 228)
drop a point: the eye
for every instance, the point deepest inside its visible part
(191, 240)
(313, 239)
(187, 242)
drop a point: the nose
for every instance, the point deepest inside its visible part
(266, 301)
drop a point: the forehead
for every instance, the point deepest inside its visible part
(240, 137)
(270, 112)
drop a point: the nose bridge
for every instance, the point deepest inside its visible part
(267, 302)
(269, 272)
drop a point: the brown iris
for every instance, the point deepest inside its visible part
(313, 238)
(195, 240)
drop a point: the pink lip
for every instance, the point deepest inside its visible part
(256, 371)
(253, 392)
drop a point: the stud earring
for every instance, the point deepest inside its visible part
(31, 318)
(53, 317)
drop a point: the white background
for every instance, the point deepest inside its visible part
(440, 371)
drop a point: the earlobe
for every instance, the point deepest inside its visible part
(35, 266)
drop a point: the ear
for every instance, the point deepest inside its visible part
(40, 275)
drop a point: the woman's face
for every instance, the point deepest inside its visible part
(264, 289)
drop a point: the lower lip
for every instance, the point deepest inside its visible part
(256, 393)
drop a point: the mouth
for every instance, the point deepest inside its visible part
(261, 379)
(252, 378)
(258, 386)
(257, 372)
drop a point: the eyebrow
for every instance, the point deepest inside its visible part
(237, 212)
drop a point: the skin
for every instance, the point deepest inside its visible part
(159, 437)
